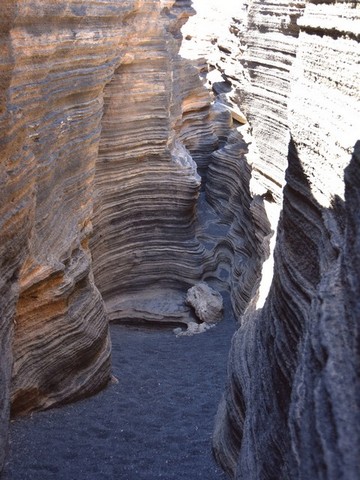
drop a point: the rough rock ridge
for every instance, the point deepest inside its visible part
(291, 408)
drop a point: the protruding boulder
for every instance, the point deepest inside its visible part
(207, 303)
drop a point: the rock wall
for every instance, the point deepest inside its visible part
(104, 216)
(291, 407)
(56, 60)
(17, 186)
(235, 227)
(103, 128)
(153, 239)
(146, 181)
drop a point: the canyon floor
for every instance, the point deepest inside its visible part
(156, 422)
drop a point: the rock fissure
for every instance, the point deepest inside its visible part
(136, 166)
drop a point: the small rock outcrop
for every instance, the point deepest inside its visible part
(207, 303)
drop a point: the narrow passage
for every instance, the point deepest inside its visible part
(156, 422)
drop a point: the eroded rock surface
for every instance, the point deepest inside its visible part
(104, 128)
(291, 408)
(144, 245)
(207, 303)
(56, 59)
(124, 181)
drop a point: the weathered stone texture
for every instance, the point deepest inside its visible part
(54, 66)
(97, 108)
(103, 130)
(61, 65)
(152, 244)
(269, 44)
(146, 181)
(291, 409)
(207, 303)
(16, 194)
(237, 232)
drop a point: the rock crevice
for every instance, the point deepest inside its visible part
(124, 182)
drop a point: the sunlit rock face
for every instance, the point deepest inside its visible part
(236, 229)
(144, 245)
(247, 62)
(291, 408)
(54, 66)
(104, 129)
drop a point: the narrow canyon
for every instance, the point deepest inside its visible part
(149, 146)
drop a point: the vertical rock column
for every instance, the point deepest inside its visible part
(291, 409)
(268, 41)
(16, 211)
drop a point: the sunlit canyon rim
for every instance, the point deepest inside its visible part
(132, 169)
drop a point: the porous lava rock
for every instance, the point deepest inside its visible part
(207, 303)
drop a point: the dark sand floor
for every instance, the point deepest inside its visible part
(157, 422)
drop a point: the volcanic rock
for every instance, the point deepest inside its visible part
(291, 405)
(207, 303)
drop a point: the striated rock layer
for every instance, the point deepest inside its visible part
(124, 182)
(56, 58)
(152, 238)
(60, 67)
(103, 129)
(291, 408)
(146, 181)
(16, 194)
(232, 221)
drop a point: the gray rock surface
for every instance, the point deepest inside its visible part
(291, 407)
(207, 303)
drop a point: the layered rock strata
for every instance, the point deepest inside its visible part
(237, 225)
(56, 59)
(60, 67)
(16, 194)
(97, 107)
(146, 181)
(291, 407)
(152, 243)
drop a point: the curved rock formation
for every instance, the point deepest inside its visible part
(291, 408)
(146, 181)
(16, 193)
(124, 182)
(80, 82)
(54, 67)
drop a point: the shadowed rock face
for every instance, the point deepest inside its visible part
(291, 408)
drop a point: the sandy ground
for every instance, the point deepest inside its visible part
(156, 422)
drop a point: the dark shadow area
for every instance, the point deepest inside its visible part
(155, 421)
(295, 381)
